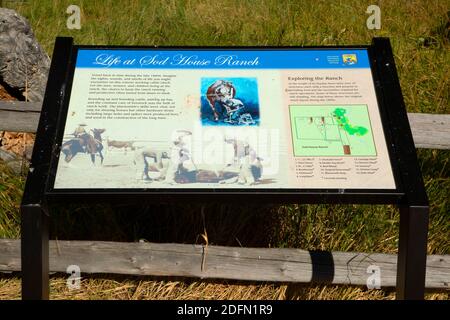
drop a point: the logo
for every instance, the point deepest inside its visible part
(74, 280)
(374, 280)
(349, 59)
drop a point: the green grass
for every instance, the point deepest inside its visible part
(11, 187)
(424, 66)
(421, 47)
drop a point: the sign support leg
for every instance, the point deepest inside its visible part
(35, 214)
(35, 252)
(412, 252)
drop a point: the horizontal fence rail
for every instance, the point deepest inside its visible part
(217, 262)
(19, 116)
(430, 131)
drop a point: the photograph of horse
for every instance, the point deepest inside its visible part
(84, 143)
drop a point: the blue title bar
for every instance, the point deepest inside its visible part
(223, 59)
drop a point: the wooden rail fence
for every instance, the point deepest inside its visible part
(253, 264)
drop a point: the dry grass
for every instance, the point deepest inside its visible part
(120, 288)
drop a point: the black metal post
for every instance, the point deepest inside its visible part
(35, 216)
(34, 241)
(414, 208)
(412, 252)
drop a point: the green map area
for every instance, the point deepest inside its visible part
(331, 130)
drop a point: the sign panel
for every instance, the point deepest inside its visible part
(176, 118)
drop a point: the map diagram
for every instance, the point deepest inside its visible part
(331, 130)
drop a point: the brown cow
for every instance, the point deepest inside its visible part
(120, 145)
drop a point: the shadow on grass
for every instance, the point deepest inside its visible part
(365, 228)
(232, 225)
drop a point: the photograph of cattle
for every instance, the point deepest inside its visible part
(151, 164)
(116, 144)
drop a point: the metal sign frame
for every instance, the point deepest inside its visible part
(409, 195)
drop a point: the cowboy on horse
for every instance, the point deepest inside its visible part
(84, 142)
(89, 143)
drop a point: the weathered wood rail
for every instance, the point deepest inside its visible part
(254, 264)
(19, 116)
(216, 262)
(429, 130)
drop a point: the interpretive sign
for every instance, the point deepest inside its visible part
(278, 125)
(241, 118)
